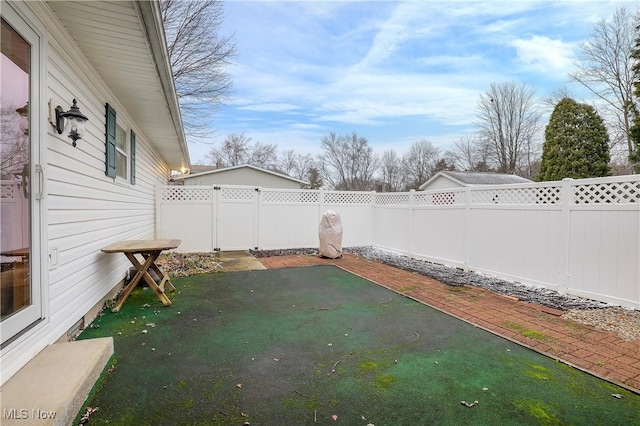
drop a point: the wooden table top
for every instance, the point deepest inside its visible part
(140, 246)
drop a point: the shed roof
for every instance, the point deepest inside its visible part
(213, 170)
(477, 178)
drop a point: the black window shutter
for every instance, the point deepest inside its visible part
(110, 160)
(132, 172)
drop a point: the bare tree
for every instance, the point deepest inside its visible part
(392, 177)
(237, 149)
(464, 153)
(263, 155)
(509, 119)
(199, 55)
(550, 101)
(295, 164)
(605, 68)
(348, 162)
(420, 163)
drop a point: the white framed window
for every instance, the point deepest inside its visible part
(122, 153)
(120, 149)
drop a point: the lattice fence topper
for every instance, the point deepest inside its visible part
(288, 197)
(348, 197)
(394, 199)
(605, 193)
(178, 193)
(7, 190)
(517, 196)
(444, 198)
(238, 194)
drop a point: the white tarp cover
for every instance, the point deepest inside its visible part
(330, 233)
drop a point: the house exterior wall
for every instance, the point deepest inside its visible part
(83, 210)
(441, 182)
(243, 176)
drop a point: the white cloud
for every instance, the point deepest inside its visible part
(270, 107)
(398, 28)
(544, 53)
(394, 72)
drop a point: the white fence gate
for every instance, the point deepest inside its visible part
(232, 217)
(576, 236)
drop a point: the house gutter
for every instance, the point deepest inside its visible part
(151, 15)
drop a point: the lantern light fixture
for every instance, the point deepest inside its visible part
(74, 122)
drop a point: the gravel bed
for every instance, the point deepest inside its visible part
(625, 322)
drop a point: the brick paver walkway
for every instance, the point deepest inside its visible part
(542, 329)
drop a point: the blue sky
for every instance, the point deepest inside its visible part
(393, 72)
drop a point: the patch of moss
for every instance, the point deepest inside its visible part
(527, 332)
(366, 367)
(537, 372)
(538, 410)
(384, 380)
(187, 403)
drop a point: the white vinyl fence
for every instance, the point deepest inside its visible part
(14, 215)
(576, 236)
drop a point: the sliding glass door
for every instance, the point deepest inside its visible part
(20, 296)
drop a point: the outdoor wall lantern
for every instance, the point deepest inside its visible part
(75, 122)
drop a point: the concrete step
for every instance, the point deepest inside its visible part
(52, 387)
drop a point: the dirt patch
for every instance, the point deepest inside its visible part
(187, 264)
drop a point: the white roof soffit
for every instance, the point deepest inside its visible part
(125, 42)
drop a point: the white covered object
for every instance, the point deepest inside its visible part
(330, 233)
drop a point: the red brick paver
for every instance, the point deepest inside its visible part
(599, 352)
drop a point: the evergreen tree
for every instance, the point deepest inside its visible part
(576, 143)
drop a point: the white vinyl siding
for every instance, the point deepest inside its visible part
(84, 209)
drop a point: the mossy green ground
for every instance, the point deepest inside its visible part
(302, 345)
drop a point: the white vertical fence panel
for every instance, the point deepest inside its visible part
(392, 222)
(236, 217)
(438, 235)
(439, 231)
(604, 239)
(187, 213)
(355, 210)
(516, 244)
(580, 237)
(605, 254)
(288, 219)
(392, 229)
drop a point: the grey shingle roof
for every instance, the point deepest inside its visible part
(485, 178)
(475, 178)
